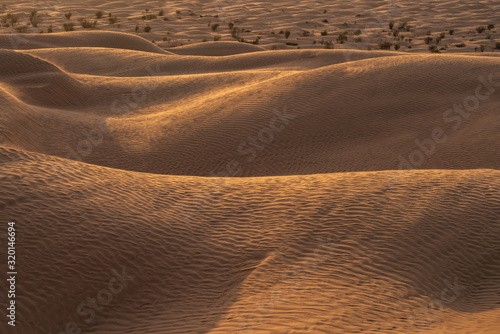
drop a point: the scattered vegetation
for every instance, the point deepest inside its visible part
(147, 28)
(324, 33)
(451, 31)
(99, 14)
(461, 45)
(112, 19)
(397, 46)
(433, 49)
(161, 13)
(391, 25)
(384, 45)
(22, 29)
(287, 34)
(68, 26)
(10, 18)
(214, 26)
(34, 18)
(68, 15)
(480, 29)
(497, 46)
(342, 38)
(491, 26)
(217, 38)
(357, 32)
(149, 17)
(328, 44)
(88, 24)
(428, 40)
(480, 48)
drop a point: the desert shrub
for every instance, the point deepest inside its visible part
(34, 18)
(384, 45)
(256, 40)
(306, 33)
(481, 48)
(68, 26)
(357, 32)
(287, 34)
(99, 14)
(480, 29)
(161, 13)
(230, 25)
(217, 38)
(402, 25)
(88, 24)
(23, 28)
(433, 49)
(491, 26)
(112, 19)
(147, 28)
(395, 32)
(428, 40)
(11, 18)
(397, 46)
(324, 33)
(328, 44)
(178, 12)
(451, 31)
(49, 29)
(68, 15)
(440, 37)
(461, 45)
(357, 39)
(149, 17)
(391, 25)
(341, 38)
(214, 26)
(497, 46)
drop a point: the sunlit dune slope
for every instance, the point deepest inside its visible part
(254, 114)
(218, 255)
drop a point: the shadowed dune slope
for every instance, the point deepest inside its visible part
(218, 255)
(262, 113)
(39, 82)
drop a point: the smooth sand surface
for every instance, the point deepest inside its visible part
(230, 187)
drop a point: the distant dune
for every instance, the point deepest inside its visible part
(224, 187)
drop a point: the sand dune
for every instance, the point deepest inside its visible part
(255, 254)
(224, 187)
(251, 114)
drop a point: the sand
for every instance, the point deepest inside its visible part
(233, 187)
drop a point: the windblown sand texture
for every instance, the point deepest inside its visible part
(231, 187)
